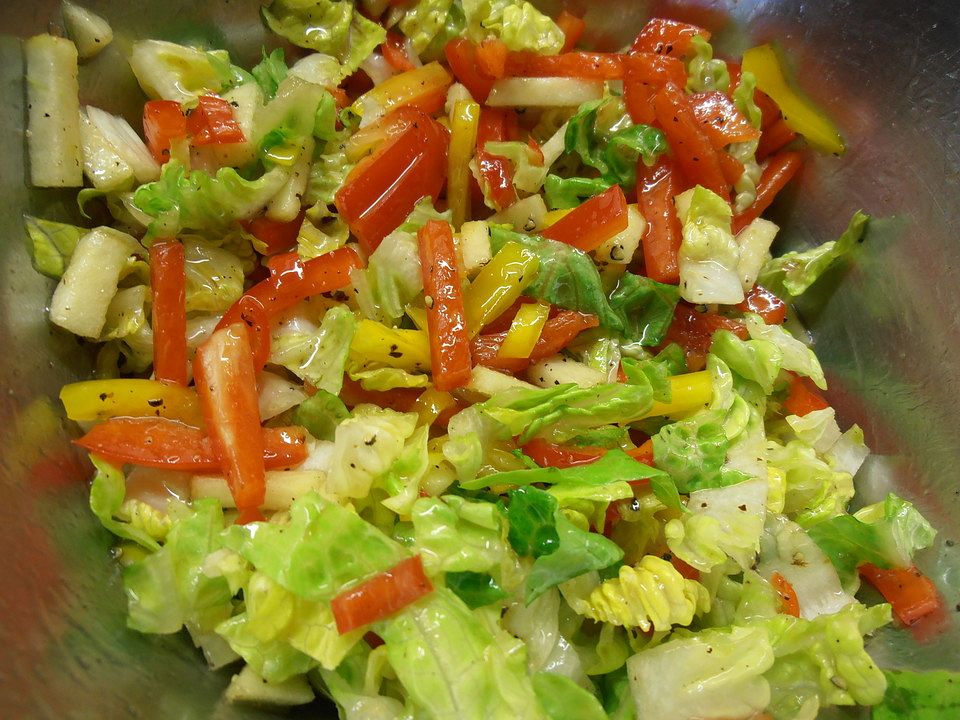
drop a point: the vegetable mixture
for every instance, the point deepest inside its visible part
(444, 369)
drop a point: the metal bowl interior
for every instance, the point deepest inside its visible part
(883, 326)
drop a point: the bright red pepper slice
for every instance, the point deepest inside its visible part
(168, 287)
(226, 382)
(721, 120)
(394, 51)
(381, 191)
(731, 168)
(212, 123)
(764, 303)
(381, 596)
(579, 64)
(163, 443)
(910, 593)
(656, 188)
(297, 280)
(587, 226)
(461, 56)
(492, 56)
(277, 236)
(163, 121)
(779, 171)
(803, 397)
(449, 339)
(687, 571)
(774, 138)
(668, 37)
(572, 27)
(644, 74)
(689, 144)
(495, 170)
(558, 332)
(254, 317)
(548, 454)
(789, 604)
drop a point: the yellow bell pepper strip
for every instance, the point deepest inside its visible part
(376, 345)
(96, 400)
(554, 216)
(525, 330)
(498, 285)
(424, 87)
(463, 140)
(430, 404)
(688, 392)
(799, 113)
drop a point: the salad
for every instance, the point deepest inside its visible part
(444, 369)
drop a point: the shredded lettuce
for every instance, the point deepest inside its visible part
(929, 695)
(704, 73)
(562, 698)
(270, 72)
(709, 253)
(517, 22)
(320, 414)
(51, 244)
(319, 355)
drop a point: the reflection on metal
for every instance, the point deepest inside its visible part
(886, 332)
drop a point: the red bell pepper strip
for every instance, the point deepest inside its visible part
(163, 121)
(779, 171)
(226, 382)
(587, 226)
(168, 444)
(399, 399)
(689, 144)
(383, 188)
(394, 51)
(277, 236)
(572, 27)
(449, 339)
(910, 593)
(764, 303)
(686, 571)
(548, 454)
(789, 604)
(803, 397)
(556, 335)
(731, 168)
(492, 57)
(774, 138)
(656, 188)
(579, 64)
(644, 74)
(295, 281)
(668, 37)
(381, 596)
(495, 170)
(168, 287)
(461, 56)
(212, 123)
(721, 120)
(254, 317)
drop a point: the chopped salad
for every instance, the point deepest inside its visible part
(444, 369)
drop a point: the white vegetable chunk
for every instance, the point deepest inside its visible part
(543, 92)
(53, 103)
(102, 165)
(89, 32)
(89, 283)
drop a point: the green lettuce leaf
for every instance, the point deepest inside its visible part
(905, 529)
(106, 498)
(214, 276)
(638, 308)
(392, 277)
(714, 673)
(201, 202)
(531, 515)
(321, 549)
(320, 414)
(930, 695)
(579, 552)
(276, 661)
(756, 360)
(704, 73)
(327, 174)
(517, 22)
(318, 357)
(562, 193)
(709, 253)
(796, 356)
(475, 589)
(693, 451)
(793, 272)
(327, 26)
(452, 665)
(51, 244)
(814, 491)
(270, 72)
(425, 21)
(743, 98)
(382, 379)
(562, 698)
(657, 371)
(170, 588)
(458, 535)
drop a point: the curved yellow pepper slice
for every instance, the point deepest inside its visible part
(376, 345)
(525, 330)
(801, 115)
(688, 392)
(498, 285)
(463, 141)
(95, 400)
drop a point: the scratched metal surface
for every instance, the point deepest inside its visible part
(886, 329)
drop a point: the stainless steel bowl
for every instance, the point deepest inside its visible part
(885, 327)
